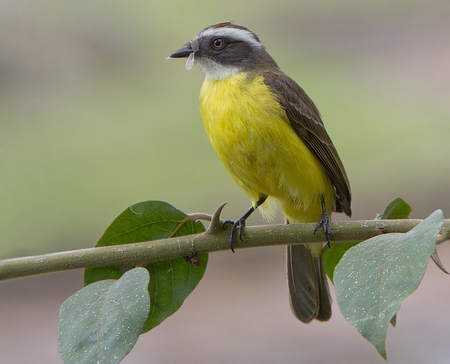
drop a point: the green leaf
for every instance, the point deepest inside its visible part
(92, 275)
(165, 300)
(331, 257)
(171, 281)
(374, 277)
(397, 209)
(145, 221)
(102, 322)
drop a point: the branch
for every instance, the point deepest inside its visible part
(215, 239)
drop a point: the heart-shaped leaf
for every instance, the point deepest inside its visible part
(102, 322)
(171, 281)
(396, 209)
(374, 277)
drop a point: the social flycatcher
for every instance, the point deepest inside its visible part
(269, 135)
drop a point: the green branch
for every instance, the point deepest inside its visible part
(214, 239)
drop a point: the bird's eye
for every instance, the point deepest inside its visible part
(218, 42)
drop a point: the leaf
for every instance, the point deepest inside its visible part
(164, 299)
(145, 221)
(102, 322)
(374, 277)
(397, 209)
(331, 257)
(92, 275)
(171, 281)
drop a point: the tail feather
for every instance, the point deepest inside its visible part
(324, 291)
(308, 285)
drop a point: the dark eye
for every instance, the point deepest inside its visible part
(218, 43)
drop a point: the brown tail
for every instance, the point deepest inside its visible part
(308, 285)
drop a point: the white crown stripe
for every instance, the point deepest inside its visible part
(238, 34)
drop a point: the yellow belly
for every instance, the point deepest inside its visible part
(251, 134)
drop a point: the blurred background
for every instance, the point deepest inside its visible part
(94, 119)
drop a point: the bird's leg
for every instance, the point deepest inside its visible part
(240, 223)
(324, 223)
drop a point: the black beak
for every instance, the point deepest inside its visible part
(182, 53)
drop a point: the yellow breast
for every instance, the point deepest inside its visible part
(251, 134)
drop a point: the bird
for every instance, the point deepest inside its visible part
(271, 139)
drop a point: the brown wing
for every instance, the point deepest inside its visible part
(305, 120)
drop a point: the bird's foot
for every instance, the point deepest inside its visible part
(235, 225)
(324, 223)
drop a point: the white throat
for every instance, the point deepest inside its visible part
(215, 71)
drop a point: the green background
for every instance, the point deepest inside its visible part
(94, 119)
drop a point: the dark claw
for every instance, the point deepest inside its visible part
(325, 224)
(234, 225)
(227, 222)
(239, 225)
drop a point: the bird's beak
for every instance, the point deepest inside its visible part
(182, 53)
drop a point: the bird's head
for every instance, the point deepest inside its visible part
(225, 49)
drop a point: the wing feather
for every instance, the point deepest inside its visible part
(305, 119)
